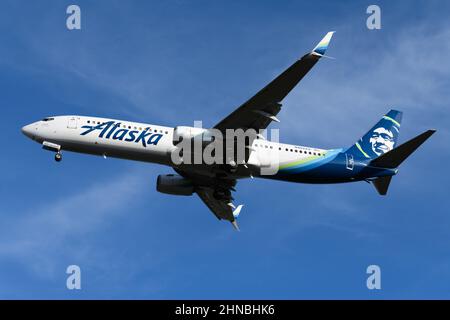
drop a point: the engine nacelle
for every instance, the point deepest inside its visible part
(174, 184)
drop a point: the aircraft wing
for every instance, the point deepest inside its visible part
(215, 193)
(222, 208)
(257, 113)
(260, 110)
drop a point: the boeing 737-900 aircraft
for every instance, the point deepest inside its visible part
(374, 158)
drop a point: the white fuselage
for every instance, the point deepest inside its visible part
(142, 141)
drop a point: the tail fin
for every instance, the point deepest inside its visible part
(380, 139)
(394, 158)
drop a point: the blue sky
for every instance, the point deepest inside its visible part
(173, 62)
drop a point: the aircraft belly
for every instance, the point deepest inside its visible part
(117, 150)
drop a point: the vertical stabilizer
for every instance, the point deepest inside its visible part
(379, 140)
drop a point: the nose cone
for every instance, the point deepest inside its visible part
(28, 131)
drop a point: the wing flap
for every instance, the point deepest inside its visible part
(220, 208)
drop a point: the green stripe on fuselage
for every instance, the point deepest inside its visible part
(298, 162)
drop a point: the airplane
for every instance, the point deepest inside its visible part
(374, 158)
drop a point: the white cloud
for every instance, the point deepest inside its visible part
(42, 236)
(409, 73)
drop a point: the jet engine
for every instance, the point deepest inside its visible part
(174, 184)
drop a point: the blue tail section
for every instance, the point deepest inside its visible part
(380, 139)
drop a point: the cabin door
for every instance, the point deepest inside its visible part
(72, 124)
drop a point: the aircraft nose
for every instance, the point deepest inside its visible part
(28, 130)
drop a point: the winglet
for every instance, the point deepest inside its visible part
(237, 211)
(323, 44)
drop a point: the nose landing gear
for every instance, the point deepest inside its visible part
(54, 148)
(58, 156)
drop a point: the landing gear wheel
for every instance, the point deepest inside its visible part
(58, 157)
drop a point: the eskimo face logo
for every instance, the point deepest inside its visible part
(382, 140)
(112, 130)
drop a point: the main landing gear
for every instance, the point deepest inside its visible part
(58, 156)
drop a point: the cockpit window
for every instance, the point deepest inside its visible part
(48, 119)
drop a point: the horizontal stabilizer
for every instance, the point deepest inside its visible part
(395, 157)
(382, 184)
